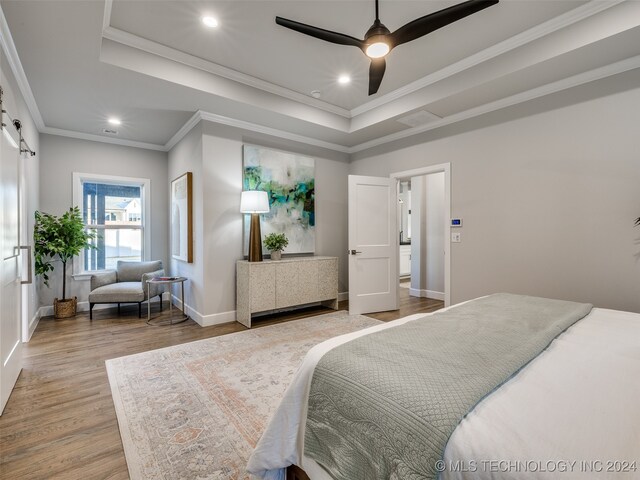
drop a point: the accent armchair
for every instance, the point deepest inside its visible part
(126, 284)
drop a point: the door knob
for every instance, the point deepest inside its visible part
(352, 252)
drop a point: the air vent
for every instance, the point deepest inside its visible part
(419, 118)
(109, 131)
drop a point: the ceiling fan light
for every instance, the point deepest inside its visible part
(377, 50)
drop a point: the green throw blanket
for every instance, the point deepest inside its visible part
(384, 405)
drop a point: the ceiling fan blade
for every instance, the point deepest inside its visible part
(376, 72)
(427, 24)
(321, 33)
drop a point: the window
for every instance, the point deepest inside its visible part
(116, 209)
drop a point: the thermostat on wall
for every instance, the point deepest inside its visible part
(456, 222)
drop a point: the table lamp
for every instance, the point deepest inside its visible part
(254, 202)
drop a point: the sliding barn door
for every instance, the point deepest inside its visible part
(10, 287)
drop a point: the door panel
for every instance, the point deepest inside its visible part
(10, 287)
(263, 287)
(373, 269)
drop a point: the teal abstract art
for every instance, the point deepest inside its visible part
(289, 180)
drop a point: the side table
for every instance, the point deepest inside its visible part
(167, 281)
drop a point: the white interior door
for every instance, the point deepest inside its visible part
(373, 244)
(10, 287)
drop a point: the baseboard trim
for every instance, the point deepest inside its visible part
(416, 292)
(342, 296)
(206, 320)
(33, 324)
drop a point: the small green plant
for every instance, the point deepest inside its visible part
(275, 242)
(63, 237)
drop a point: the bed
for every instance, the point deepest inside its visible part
(572, 411)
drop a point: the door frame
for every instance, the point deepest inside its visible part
(446, 168)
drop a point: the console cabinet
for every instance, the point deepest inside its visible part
(275, 284)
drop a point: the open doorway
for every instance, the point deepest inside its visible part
(424, 214)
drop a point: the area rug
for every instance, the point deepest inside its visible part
(196, 411)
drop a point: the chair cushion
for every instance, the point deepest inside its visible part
(133, 271)
(122, 292)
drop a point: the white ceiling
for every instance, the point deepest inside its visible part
(153, 64)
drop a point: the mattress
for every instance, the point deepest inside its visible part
(570, 413)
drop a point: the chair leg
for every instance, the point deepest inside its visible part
(118, 309)
(160, 301)
(91, 311)
(139, 309)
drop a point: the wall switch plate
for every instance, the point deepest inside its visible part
(456, 237)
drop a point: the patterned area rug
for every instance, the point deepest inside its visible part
(196, 411)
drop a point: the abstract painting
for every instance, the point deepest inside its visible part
(182, 218)
(289, 180)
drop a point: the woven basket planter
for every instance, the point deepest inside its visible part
(65, 308)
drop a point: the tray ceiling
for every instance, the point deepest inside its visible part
(154, 64)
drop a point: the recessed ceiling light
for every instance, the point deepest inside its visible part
(344, 79)
(114, 121)
(316, 93)
(210, 21)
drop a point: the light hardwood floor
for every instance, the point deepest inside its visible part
(60, 422)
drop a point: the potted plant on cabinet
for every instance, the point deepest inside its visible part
(275, 243)
(63, 237)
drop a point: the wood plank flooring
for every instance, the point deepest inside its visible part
(60, 422)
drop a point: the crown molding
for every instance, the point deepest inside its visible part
(149, 46)
(6, 40)
(252, 127)
(562, 21)
(569, 82)
(186, 128)
(274, 132)
(575, 15)
(569, 18)
(106, 19)
(99, 138)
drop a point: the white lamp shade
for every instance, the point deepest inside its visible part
(254, 201)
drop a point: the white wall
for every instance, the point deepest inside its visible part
(418, 235)
(548, 192)
(427, 236)
(434, 222)
(213, 296)
(61, 156)
(16, 107)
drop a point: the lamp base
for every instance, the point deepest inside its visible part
(255, 239)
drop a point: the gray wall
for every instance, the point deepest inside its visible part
(61, 156)
(427, 235)
(213, 294)
(15, 105)
(434, 213)
(548, 192)
(186, 156)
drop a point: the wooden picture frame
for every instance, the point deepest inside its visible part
(181, 211)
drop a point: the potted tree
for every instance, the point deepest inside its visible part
(275, 243)
(63, 237)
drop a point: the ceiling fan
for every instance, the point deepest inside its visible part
(379, 41)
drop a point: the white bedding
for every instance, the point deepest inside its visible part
(573, 412)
